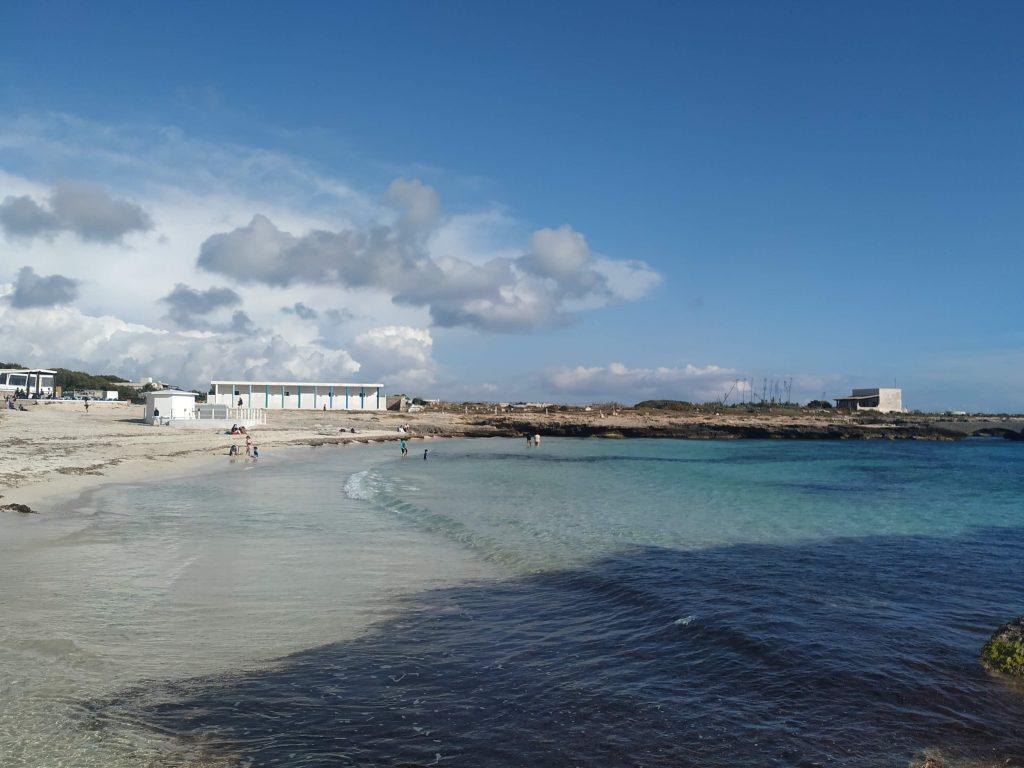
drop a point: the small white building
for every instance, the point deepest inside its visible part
(882, 399)
(305, 395)
(170, 404)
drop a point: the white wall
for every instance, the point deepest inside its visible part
(890, 399)
(170, 406)
(311, 397)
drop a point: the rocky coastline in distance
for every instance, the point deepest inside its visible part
(707, 423)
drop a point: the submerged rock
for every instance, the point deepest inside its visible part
(1004, 651)
(934, 758)
(25, 509)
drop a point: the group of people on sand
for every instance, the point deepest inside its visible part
(533, 441)
(251, 449)
(14, 405)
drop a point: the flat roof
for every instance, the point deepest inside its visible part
(27, 370)
(297, 383)
(168, 392)
(857, 397)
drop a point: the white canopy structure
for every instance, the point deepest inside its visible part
(311, 395)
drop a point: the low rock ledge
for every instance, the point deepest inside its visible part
(24, 509)
(1004, 651)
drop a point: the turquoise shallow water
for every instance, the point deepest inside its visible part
(586, 602)
(572, 500)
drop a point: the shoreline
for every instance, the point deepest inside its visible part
(54, 452)
(59, 491)
(55, 457)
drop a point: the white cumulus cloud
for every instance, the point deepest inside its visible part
(619, 382)
(188, 259)
(495, 293)
(65, 336)
(398, 353)
(32, 290)
(87, 210)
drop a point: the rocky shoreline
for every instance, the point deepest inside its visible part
(713, 431)
(717, 430)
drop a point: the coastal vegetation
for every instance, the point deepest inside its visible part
(71, 381)
(666, 405)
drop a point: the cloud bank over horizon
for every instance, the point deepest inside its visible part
(621, 383)
(151, 265)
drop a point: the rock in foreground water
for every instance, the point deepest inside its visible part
(1004, 651)
(24, 509)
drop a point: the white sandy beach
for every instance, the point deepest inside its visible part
(55, 449)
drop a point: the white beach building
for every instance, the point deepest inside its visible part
(174, 408)
(170, 404)
(33, 381)
(306, 395)
(883, 399)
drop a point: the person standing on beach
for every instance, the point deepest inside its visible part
(87, 405)
(529, 440)
(404, 448)
(424, 454)
(248, 445)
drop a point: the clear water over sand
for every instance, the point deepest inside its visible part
(587, 602)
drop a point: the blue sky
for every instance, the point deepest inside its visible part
(831, 192)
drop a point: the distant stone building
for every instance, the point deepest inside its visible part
(882, 399)
(397, 403)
